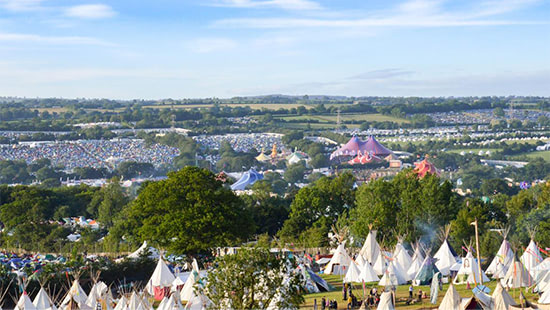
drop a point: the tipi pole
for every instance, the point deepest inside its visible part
(478, 255)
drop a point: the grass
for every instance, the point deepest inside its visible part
(254, 106)
(374, 117)
(402, 294)
(543, 154)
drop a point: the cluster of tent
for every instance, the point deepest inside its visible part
(171, 290)
(373, 264)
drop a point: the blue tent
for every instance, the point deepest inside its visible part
(250, 177)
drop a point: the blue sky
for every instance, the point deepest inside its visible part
(190, 48)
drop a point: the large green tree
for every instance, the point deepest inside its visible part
(189, 212)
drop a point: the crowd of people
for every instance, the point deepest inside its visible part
(241, 142)
(90, 153)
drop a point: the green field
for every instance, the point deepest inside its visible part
(544, 154)
(374, 117)
(402, 294)
(254, 106)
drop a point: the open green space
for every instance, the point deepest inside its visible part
(543, 154)
(402, 294)
(254, 106)
(332, 118)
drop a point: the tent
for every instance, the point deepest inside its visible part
(517, 276)
(531, 257)
(386, 301)
(501, 299)
(97, 294)
(402, 256)
(188, 289)
(360, 261)
(296, 157)
(416, 262)
(322, 285)
(469, 271)
(545, 296)
(380, 265)
(25, 303)
(161, 281)
(144, 248)
(451, 300)
(425, 167)
(371, 249)
(375, 148)
(368, 274)
(353, 273)
(445, 258)
(502, 261)
(393, 276)
(75, 296)
(248, 178)
(262, 157)
(355, 146)
(426, 272)
(339, 262)
(122, 304)
(42, 301)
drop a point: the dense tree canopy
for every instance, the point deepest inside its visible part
(189, 212)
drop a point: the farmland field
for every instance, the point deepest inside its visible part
(375, 117)
(255, 106)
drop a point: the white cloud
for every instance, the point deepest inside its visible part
(282, 4)
(413, 13)
(20, 5)
(208, 45)
(90, 11)
(63, 40)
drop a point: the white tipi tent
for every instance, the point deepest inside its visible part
(451, 300)
(517, 276)
(502, 261)
(469, 271)
(187, 292)
(97, 294)
(76, 294)
(353, 273)
(380, 265)
(25, 303)
(360, 261)
(402, 256)
(501, 299)
(531, 257)
(371, 249)
(386, 301)
(445, 258)
(42, 301)
(393, 276)
(545, 297)
(416, 262)
(368, 274)
(161, 281)
(339, 262)
(144, 248)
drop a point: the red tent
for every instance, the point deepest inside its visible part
(424, 167)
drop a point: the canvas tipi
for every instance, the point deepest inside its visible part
(531, 257)
(402, 256)
(503, 258)
(393, 276)
(25, 303)
(371, 249)
(426, 272)
(469, 271)
(517, 276)
(501, 299)
(386, 301)
(445, 255)
(339, 262)
(451, 300)
(42, 301)
(353, 273)
(368, 274)
(161, 281)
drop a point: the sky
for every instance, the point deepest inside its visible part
(127, 49)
